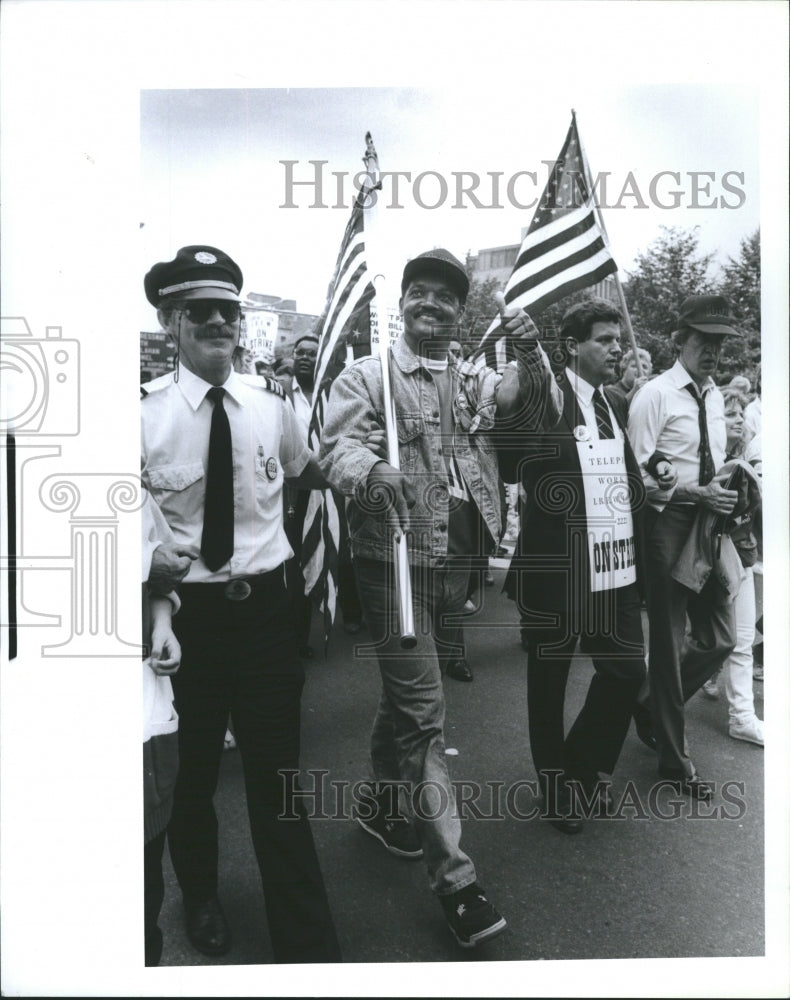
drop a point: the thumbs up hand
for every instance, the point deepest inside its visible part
(515, 322)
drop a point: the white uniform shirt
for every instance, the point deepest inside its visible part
(584, 395)
(664, 417)
(156, 531)
(267, 445)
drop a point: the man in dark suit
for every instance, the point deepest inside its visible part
(574, 572)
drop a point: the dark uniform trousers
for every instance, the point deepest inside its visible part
(240, 657)
(679, 665)
(154, 896)
(610, 632)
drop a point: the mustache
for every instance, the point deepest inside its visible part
(212, 332)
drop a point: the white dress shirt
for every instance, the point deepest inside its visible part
(267, 445)
(664, 417)
(584, 394)
(156, 532)
(302, 407)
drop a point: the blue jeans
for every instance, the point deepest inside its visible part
(407, 743)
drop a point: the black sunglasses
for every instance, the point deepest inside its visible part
(201, 310)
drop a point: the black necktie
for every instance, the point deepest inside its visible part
(706, 467)
(605, 430)
(216, 546)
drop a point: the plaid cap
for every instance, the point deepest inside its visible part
(195, 272)
(439, 262)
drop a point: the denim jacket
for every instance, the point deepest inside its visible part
(356, 407)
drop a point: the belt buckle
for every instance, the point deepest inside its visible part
(237, 590)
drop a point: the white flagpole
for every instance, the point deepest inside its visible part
(599, 217)
(400, 554)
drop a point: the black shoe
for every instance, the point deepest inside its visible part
(459, 671)
(691, 785)
(566, 824)
(562, 812)
(471, 917)
(206, 926)
(644, 727)
(596, 793)
(394, 831)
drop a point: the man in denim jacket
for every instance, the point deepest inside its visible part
(446, 497)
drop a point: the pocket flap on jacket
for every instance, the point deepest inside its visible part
(409, 428)
(175, 477)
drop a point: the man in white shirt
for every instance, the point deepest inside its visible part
(216, 449)
(680, 415)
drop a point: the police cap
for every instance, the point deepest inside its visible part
(196, 272)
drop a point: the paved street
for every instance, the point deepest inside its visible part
(625, 888)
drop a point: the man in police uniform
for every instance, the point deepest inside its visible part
(216, 448)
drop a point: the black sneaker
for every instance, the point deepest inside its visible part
(396, 834)
(471, 917)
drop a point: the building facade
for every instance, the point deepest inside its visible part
(269, 327)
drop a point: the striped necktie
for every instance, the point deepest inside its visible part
(605, 429)
(216, 545)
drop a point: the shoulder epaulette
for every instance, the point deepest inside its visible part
(264, 382)
(274, 386)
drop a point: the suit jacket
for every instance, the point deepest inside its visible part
(550, 569)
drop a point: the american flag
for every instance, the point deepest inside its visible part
(343, 329)
(565, 248)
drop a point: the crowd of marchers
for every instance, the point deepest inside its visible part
(638, 493)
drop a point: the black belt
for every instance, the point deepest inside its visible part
(238, 588)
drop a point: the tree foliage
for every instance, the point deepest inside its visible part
(671, 269)
(480, 308)
(741, 285)
(667, 272)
